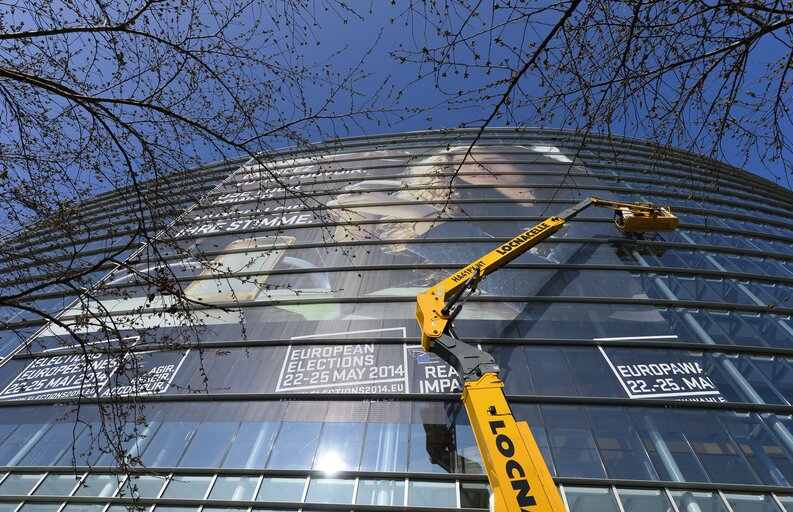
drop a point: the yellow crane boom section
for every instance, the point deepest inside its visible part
(430, 303)
(518, 476)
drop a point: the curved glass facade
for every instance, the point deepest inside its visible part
(262, 353)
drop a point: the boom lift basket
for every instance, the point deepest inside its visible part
(658, 219)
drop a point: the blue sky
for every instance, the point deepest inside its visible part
(411, 89)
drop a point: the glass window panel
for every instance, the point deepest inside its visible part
(251, 445)
(644, 500)
(778, 371)
(590, 499)
(83, 507)
(661, 435)
(756, 379)
(431, 448)
(763, 451)
(39, 507)
(339, 447)
(575, 453)
(432, 443)
(549, 371)
(6, 430)
(531, 415)
(142, 486)
(209, 444)
(223, 509)
(57, 485)
(21, 440)
(8, 507)
(474, 495)
(514, 371)
(590, 374)
(98, 485)
(282, 489)
(380, 492)
(385, 447)
(624, 455)
(751, 503)
(432, 494)
(19, 483)
(187, 486)
(467, 453)
(172, 508)
(330, 490)
(787, 502)
(87, 448)
(714, 448)
(133, 440)
(166, 447)
(49, 447)
(295, 446)
(233, 488)
(690, 501)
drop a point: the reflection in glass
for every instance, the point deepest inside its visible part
(98, 485)
(39, 507)
(19, 483)
(18, 442)
(576, 454)
(251, 446)
(474, 495)
(751, 503)
(385, 447)
(295, 445)
(86, 449)
(380, 492)
(142, 486)
(717, 452)
(282, 489)
(330, 490)
(432, 494)
(690, 501)
(760, 447)
(467, 452)
(83, 507)
(787, 502)
(209, 444)
(134, 439)
(590, 499)
(234, 488)
(339, 447)
(620, 446)
(187, 486)
(644, 500)
(57, 485)
(168, 443)
(663, 443)
(49, 447)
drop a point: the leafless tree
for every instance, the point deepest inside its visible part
(122, 98)
(711, 77)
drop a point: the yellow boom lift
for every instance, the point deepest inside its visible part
(518, 476)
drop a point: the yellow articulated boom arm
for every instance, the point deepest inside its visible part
(515, 468)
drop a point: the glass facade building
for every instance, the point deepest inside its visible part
(261, 353)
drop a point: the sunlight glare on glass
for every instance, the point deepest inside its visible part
(331, 463)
